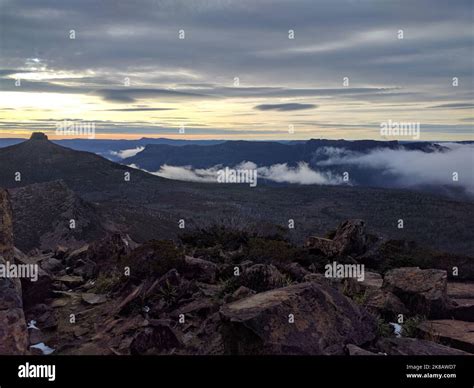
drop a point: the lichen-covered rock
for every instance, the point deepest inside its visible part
(422, 291)
(306, 318)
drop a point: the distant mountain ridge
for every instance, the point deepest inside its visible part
(108, 147)
(230, 153)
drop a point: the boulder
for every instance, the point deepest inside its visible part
(201, 307)
(91, 298)
(372, 280)
(123, 306)
(306, 318)
(199, 269)
(415, 347)
(461, 290)
(354, 350)
(84, 268)
(76, 254)
(70, 280)
(350, 238)
(383, 303)
(296, 271)
(262, 277)
(462, 309)
(51, 265)
(423, 292)
(457, 334)
(61, 252)
(242, 292)
(462, 300)
(157, 338)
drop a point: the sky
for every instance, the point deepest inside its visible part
(246, 69)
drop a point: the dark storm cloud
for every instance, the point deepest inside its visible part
(285, 107)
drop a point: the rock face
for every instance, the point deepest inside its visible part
(458, 334)
(462, 298)
(42, 215)
(38, 136)
(423, 292)
(350, 237)
(13, 332)
(6, 225)
(324, 322)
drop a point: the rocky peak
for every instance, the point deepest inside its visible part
(38, 136)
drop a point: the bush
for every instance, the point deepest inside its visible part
(383, 328)
(261, 250)
(107, 282)
(228, 239)
(155, 258)
(409, 328)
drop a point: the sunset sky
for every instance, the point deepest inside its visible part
(128, 72)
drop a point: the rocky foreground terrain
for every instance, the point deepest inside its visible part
(223, 291)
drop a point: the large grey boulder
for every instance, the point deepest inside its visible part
(422, 291)
(305, 318)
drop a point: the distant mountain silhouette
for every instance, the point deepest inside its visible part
(39, 160)
(110, 148)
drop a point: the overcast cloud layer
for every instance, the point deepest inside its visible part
(236, 72)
